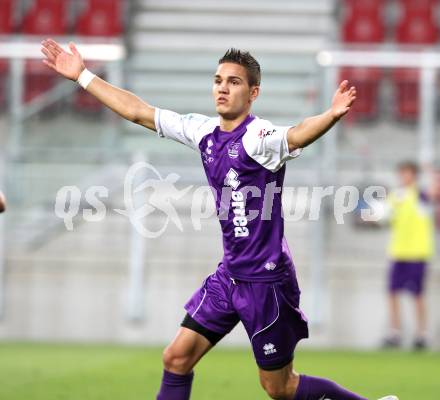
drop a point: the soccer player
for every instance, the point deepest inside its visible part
(410, 249)
(255, 282)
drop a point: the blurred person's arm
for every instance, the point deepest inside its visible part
(313, 128)
(430, 182)
(388, 210)
(123, 102)
(2, 202)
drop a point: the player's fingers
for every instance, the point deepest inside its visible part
(52, 49)
(57, 48)
(343, 86)
(47, 51)
(49, 64)
(73, 49)
(48, 54)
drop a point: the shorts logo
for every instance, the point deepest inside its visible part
(264, 132)
(269, 349)
(233, 149)
(270, 266)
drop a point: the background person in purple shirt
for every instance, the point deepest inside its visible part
(244, 159)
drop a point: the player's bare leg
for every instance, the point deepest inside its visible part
(393, 338)
(420, 306)
(280, 384)
(186, 349)
(395, 312)
(179, 359)
(286, 384)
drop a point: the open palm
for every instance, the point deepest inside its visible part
(343, 99)
(69, 65)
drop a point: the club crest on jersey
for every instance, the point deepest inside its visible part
(264, 132)
(269, 349)
(233, 149)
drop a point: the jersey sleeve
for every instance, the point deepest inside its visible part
(267, 144)
(187, 129)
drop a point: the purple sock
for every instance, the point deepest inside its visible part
(175, 387)
(311, 388)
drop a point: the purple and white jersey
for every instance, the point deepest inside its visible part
(245, 169)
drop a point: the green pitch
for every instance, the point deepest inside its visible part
(72, 372)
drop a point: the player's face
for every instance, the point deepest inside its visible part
(232, 94)
(407, 176)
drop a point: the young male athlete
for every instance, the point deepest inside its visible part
(244, 159)
(411, 248)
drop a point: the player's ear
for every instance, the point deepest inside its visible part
(255, 91)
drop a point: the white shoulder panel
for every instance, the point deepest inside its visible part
(187, 129)
(267, 144)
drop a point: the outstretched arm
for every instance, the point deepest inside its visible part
(313, 128)
(71, 65)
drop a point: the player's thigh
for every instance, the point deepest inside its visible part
(186, 349)
(273, 321)
(210, 309)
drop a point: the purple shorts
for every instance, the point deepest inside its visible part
(269, 312)
(407, 275)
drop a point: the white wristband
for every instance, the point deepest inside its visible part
(85, 78)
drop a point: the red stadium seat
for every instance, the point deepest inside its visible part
(101, 18)
(4, 69)
(6, 27)
(364, 23)
(417, 26)
(367, 82)
(6, 16)
(45, 17)
(406, 93)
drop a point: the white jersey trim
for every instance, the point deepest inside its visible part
(267, 144)
(201, 302)
(275, 320)
(188, 129)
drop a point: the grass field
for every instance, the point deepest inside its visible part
(75, 372)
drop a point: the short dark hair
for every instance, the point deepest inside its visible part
(408, 165)
(244, 59)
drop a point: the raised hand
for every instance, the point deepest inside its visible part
(69, 65)
(2, 202)
(343, 99)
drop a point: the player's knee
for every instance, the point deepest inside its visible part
(176, 361)
(281, 390)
